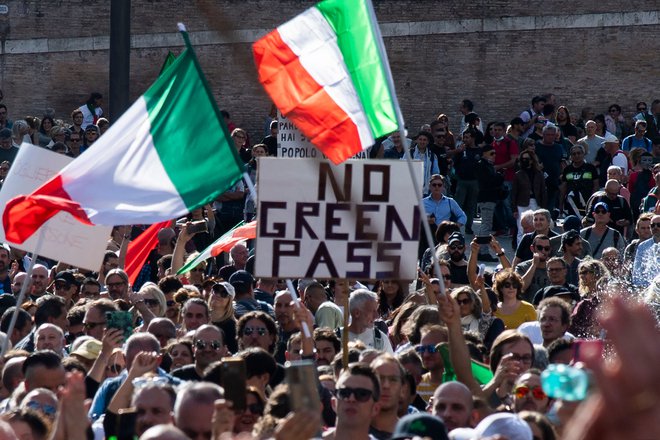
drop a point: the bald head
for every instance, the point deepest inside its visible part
(163, 432)
(452, 402)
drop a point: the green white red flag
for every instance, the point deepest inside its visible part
(327, 71)
(239, 233)
(168, 154)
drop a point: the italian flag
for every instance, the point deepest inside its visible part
(237, 234)
(169, 153)
(327, 71)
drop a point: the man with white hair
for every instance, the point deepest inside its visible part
(49, 337)
(363, 307)
(239, 255)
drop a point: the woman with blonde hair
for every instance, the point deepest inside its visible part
(473, 317)
(150, 303)
(240, 137)
(221, 311)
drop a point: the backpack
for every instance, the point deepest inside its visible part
(617, 235)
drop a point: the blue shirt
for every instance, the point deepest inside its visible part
(631, 142)
(443, 209)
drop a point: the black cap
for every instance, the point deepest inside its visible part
(67, 276)
(241, 277)
(420, 424)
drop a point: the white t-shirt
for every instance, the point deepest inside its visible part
(369, 339)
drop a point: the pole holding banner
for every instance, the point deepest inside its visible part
(344, 333)
(399, 117)
(21, 294)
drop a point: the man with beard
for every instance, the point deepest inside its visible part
(5, 262)
(457, 261)
(528, 394)
(452, 402)
(286, 323)
(208, 347)
(391, 373)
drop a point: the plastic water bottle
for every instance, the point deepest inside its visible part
(565, 382)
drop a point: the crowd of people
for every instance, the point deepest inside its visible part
(552, 341)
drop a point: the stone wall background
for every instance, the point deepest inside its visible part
(498, 53)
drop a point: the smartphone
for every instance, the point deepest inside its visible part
(233, 381)
(120, 320)
(483, 239)
(197, 227)
(126, 424)
(303, 385)
(581, 346)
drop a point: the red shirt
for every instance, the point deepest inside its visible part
(504, 149)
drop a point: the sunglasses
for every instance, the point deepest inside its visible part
(655, 225)
(430, 348)
(115, 368)
(49, 410)
(537, 392)
(600, 211)
(543, 248)
(464, 302)
(509, 285)
(247, 331)
(437, 185)
(202, 345)
(93, 325)
(151, 302)
(454, 247)
(170, 303)
(361, 394)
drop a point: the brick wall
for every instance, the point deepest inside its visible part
(499, 71)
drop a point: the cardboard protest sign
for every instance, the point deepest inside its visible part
(65, 238)
(291, 142)
(357, 220)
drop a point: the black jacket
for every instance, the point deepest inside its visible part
(490, 182)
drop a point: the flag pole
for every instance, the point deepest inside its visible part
(400, 123)
(21, 295)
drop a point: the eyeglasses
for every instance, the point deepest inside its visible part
(49, 410)
(261, 331)
(255, 408)
(215, 345)
(437, 185)
(655, 225)
(93, 325)
(585, 271)
(114, 285)
(115, 368)
(143, 381)
(430, 348)
(454, 247)
(543, 248)
(464, 302)
(600, 211)
(361, 394)
(523, 390)
(151, 302)
(171, 303)
(509, 285)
